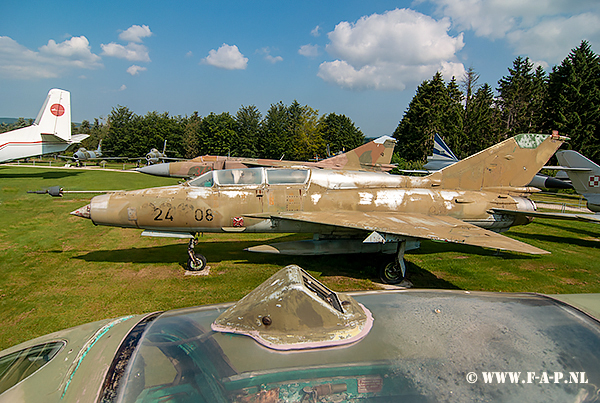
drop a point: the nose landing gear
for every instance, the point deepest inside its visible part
(394, 272)
(196, 261)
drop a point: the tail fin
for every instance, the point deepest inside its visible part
(165, 148)
(511, 163)
(374, 155)
(55, 116)
(99, 149)
(441, 149)
(442, 155)
(584, 173)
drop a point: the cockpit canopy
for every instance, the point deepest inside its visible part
(252, 176)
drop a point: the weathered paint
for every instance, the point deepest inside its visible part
(349, 195)
(285, 313)
(373, 156)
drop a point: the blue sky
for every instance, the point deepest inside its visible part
(363, 59)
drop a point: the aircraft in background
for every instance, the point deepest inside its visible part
(443, 157)
(584, 175)
(375, 155)
(89, 155)
(468, 202)
(50, 133)
(154, 156)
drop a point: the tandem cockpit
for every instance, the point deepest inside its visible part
(252, 177)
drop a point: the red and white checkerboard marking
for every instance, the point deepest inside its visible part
(594, 181)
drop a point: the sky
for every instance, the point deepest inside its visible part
(363, 59)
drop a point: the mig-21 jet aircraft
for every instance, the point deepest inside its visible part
(347, 211)
(375, 155)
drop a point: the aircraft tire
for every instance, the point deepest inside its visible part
(390, 273)
(198, 265)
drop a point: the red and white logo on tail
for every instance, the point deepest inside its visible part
(57, 110)
(594, 181)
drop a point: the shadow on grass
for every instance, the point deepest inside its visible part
(158, 254)
(422, 278)
(569, 228)
(586, 243)
(357, 266)
(58, 174)
(428, 247)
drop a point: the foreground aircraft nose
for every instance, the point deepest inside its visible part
(83, 212)
(158, 169)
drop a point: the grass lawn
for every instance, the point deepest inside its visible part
(57, 270)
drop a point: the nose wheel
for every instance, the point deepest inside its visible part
(196, 261)
(394, 272)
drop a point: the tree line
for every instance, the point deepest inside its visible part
(294, 132)
(470, 118)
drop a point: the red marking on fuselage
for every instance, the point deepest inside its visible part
(10, 143)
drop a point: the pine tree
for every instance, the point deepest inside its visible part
(191, 134)
(573, 102)
(521, 95)
(435, 108)
(247, 121)
(340, 133)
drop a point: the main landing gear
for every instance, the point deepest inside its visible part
(394, 272)
(196, 261)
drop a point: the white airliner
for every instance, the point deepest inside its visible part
(50, 133)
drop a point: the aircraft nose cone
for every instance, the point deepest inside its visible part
(158, 169)
(83, 212)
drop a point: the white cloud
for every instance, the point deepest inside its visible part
(123, 87)
(268, 57)
(226, 57)
(135, 33)
(135, 69)
(189, 54)
(539, 29)
(390, 51)
(273, 59)
(316, 31)
(552, 40)
(309, 50)
(131, 52)
(52, 60)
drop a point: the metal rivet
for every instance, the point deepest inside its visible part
(266, 320)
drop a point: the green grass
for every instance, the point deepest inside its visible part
(57, 270)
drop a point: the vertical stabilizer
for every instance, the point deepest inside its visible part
(511, 163)
(372, 156)
(55, 116)
(584, 175)
(442, 155)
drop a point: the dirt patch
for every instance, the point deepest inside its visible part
(572, 281)
(510, 276)
(158, 273)
(21, 317)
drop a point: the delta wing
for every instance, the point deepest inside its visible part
(411, 225)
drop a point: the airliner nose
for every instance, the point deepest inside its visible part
(157, 169)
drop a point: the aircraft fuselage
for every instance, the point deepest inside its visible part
(224, 207)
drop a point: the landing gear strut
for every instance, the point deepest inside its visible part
(394, 272)
(196, 261)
